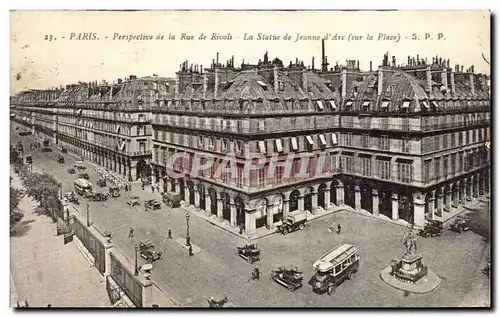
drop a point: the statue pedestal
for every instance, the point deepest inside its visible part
(409, 274)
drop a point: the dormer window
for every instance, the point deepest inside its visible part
(366, 104)
(348, 105)
(320, 104)
(281, 86)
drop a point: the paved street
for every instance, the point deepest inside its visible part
(217, 271)
(45, 271)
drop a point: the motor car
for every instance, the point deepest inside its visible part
(294, 221)
(99, 197)
(84, 175)
(114, 191)
(461, 224)
(152, 204)
(60, 159)
(71, 170)
(133, 201)
(101, 183)
(46, 149)
(249, 252)
(64, 150)
(289, 277)
(29, 159)
(171, 199)
(431, 229)
(148, 252)
(72, 198)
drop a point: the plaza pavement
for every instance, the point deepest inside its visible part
(217, 271)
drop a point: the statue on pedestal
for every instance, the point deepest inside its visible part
(410, 241)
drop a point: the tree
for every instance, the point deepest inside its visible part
(15, 198)
(43, 188)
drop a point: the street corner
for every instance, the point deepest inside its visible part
(182, 243)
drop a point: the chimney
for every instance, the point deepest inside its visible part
(409, 61)
(304, 81)
(110, 92)
(276, 82)
(324, 63)
(205, 79)
(444, 78)
(371, 64)
(201, 69)
(312, 63)
(344, 83)
(216, 80)
(428, 78)
(471, 81)
(217, 60)
(380, 82)
(176, 91)
(452, 79)
(393, 61)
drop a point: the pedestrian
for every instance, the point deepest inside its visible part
(169, 233)
(241, 228)
(190, 250)
(142, 186)
(48, 306)
(256, 273)
(338, 229)
(131, 232)
(153, 188)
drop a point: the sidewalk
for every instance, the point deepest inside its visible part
(44, 270)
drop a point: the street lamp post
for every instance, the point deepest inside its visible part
(88, 218)
(188, 238)
(136, 271)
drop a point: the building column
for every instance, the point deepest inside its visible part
(326, 196)
(132, 171)
(219, 207)
(395, 206)
(269, 217)
(162, 186)
(470, 186)
(153, 179)
(187, 194)
(357, 198)
(340, 195)
(448, 200)
(418, 210)
(169, 185)
(301, 203)
(430, 206)
(314, 201)
(286, 208)
(232, 208)
(461, 193)
(375, 202)
(476, 186)
(196, 196)
(455, 196)
(440, 204)
(208, 203)
(249, 222)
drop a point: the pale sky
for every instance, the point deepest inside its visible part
(39, 63)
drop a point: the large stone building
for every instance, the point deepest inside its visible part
(404, 141)
(105, 123)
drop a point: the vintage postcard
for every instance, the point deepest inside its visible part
(250, 159)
